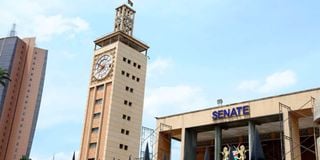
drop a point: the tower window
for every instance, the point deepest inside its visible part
(129, 61)
(122, 131)
(125, 147)
(134, 64)
(126, 102)
(139, 66)
(127, 132)
(123, 72)
(124, 59)
(131, 90)
(133, 77)
(128, 74)
(95, 130)
(124, 116)
(96, 115)
(127, 88)
(130, 103)
(100, 87)
(120, 146)
(138, 79)
(98, 101)
(128, 118)
(93, 145)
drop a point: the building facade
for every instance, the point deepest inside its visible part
(113, 116)
(20, 98)
(277, 127)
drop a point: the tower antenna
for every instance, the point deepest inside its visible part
(13, 30)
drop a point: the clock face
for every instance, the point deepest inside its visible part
(102, 67)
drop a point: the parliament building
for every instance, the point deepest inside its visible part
(272, 128)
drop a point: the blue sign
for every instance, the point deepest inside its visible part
(231, 112)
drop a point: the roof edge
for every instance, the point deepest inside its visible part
(258, 99)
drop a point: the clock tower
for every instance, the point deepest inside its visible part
(114, 109)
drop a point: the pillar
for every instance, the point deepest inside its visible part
(188, 144)
(291, 136)
(217, 142)
(164, 146)
(251, 133)
(295, 133)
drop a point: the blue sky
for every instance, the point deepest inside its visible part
(200, 51)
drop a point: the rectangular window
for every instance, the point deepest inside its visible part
(93, 145)
(125, 102)
(128, 74)
(131, 90)
(129, 61)
(95, 130)
(123, 72)
(134, 64)
(125, 147)
(120, 146)
(122, 131)
(139, 66)
(127, 88)
(128, 118)
(124, 59)
(127, 132)
(96, 115)
(138, 79)
(100, 87)
(130, 103)
(133, 77)
(124, 116)
(98, 101)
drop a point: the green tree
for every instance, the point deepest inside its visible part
(25, 158)
(4, 76)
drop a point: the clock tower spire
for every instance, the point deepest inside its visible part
(124, 19)
(113, 119)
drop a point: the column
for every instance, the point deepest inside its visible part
(188, 144)
(217, 142)
(291, 136)
(164, 146)
(295, 133)
(251, 133)
(286, 136)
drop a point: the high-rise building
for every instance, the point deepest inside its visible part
(20, 98)
(114, 109)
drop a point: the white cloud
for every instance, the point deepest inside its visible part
(173, 99)
(273, 82)
(37, 18)
(279, 80)
(45, 27)
(159, 66)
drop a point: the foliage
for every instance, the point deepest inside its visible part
(4, 76)
(25, 158)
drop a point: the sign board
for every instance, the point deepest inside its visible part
(316, 113)
(231, 112)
